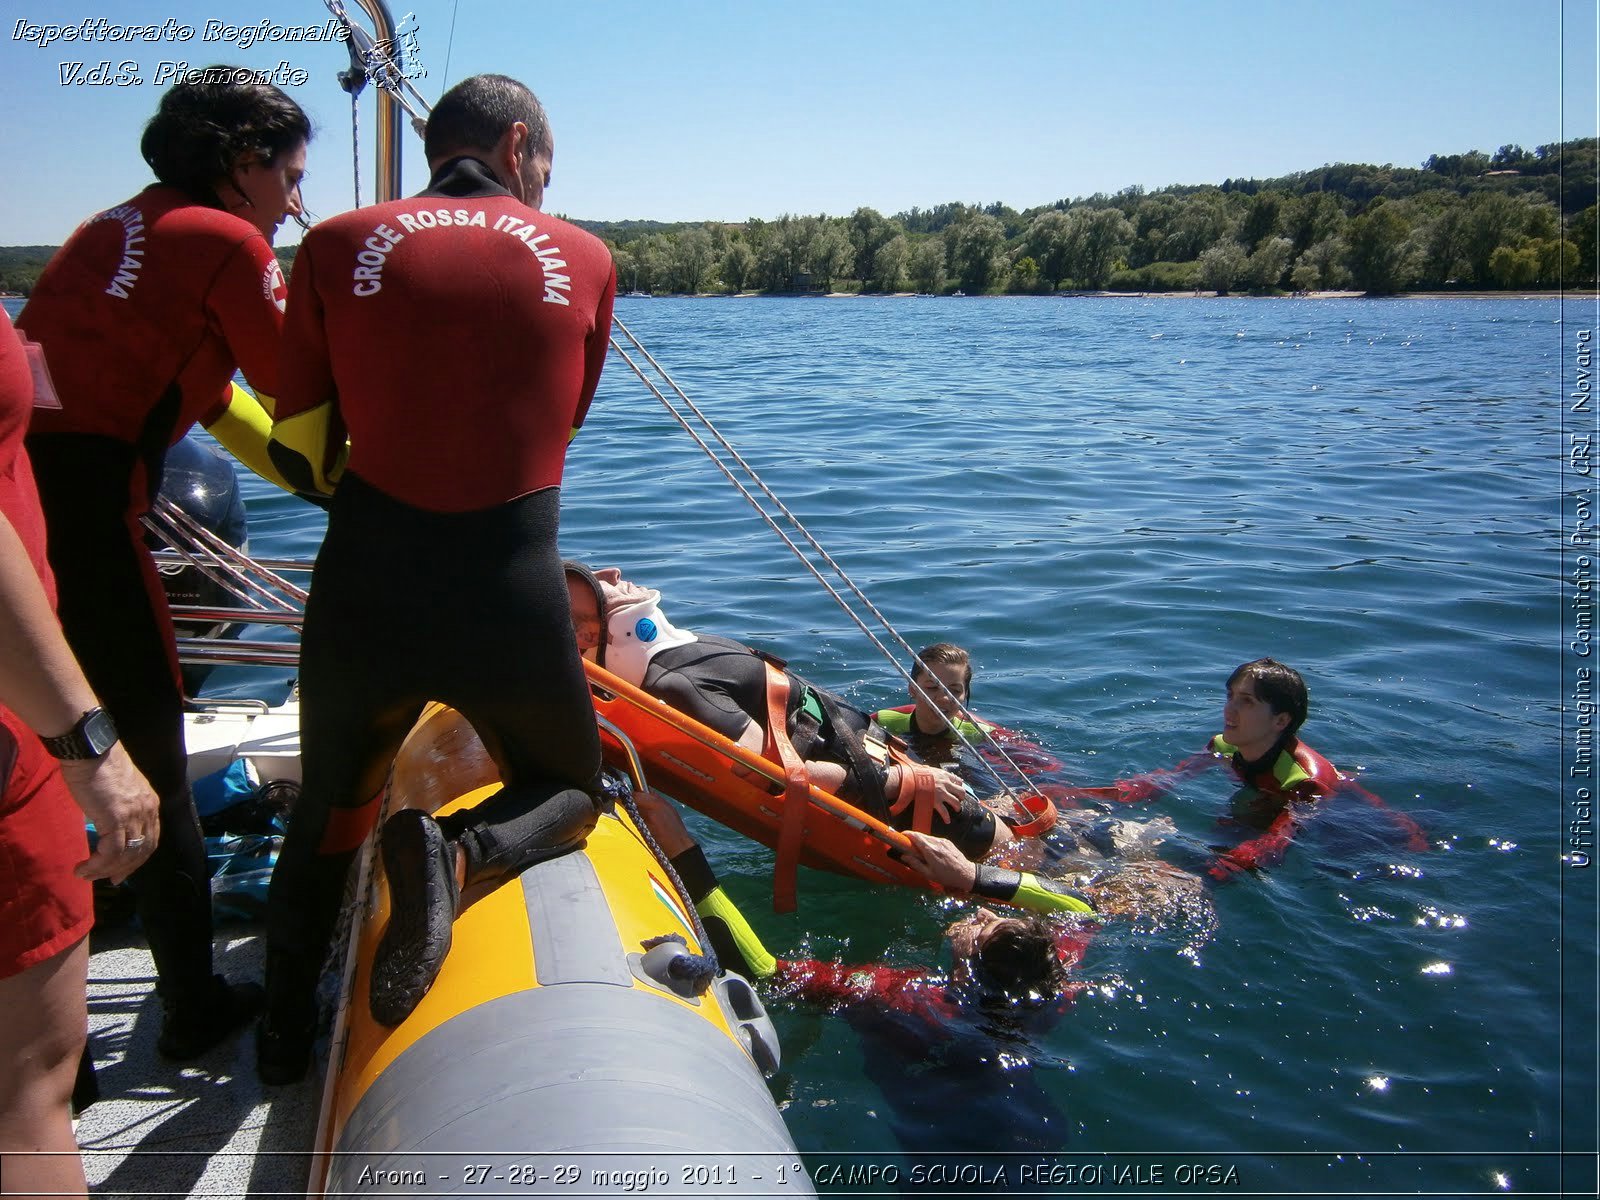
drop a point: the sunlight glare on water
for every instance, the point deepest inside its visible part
(1113, 502)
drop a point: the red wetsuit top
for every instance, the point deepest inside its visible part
(1292, 772)
(911, 990)
(146, 313)
(44, 907)
(458, 336)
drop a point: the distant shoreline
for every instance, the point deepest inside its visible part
(1584, 294)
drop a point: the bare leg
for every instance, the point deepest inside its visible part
(41, 1040)
(664, 823)
(1003, 835)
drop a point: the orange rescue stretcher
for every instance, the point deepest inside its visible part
(767, 797)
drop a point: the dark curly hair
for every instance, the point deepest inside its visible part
(1020, 959)
(210, 121)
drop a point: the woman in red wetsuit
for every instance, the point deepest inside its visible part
(144, 315)
(1284, 779)
(45, 868)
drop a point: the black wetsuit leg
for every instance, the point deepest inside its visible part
(114, 612)
(352, 721)
(723, 685)
(520, 681)
(971, 827)
(409, 606)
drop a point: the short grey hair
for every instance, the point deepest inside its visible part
(477, 112)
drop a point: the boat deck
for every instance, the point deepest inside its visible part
(207, 1128)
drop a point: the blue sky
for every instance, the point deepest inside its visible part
(728, 109)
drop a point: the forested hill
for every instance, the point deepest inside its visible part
(20, 266)
(1564, 174)
(1513, 219)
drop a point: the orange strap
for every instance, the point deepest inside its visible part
(918, 786)
(796, 792)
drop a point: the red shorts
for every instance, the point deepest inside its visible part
(44, 907)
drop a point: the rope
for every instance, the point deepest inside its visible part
(627, 802)
(450, 43)
(700, 969)
(355, 144)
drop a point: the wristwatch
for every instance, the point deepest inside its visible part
(91, 737)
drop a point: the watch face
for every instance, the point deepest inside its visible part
(99, 733)
(91, 737)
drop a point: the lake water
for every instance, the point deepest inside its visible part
(1113, 502)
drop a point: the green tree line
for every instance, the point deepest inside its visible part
(1513, 219)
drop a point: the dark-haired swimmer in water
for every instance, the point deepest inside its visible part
(939, 1042)
(939, 728)
(941, 1045)
(954, 1052)
(723, 685)
(1284, 779)
(1098, 885)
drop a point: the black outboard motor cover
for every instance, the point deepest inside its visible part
(202, 482)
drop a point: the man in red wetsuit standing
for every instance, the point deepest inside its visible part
(456, 338)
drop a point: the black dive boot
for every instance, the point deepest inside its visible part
(419, 864)
(193, 1024)
(288, 1028)
(518, 827)
(302, 910)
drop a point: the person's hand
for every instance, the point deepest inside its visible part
(1265, 851)
(939, 860)
(1224, 867)
(949, 792)
(124, 809)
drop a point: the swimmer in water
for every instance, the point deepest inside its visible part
(1283, 778)
(941, 685)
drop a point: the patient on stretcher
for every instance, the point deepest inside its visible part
(725, 685)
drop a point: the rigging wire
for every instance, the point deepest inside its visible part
(450, 44)
(382, 69)
(810, 539)
(167, 518)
